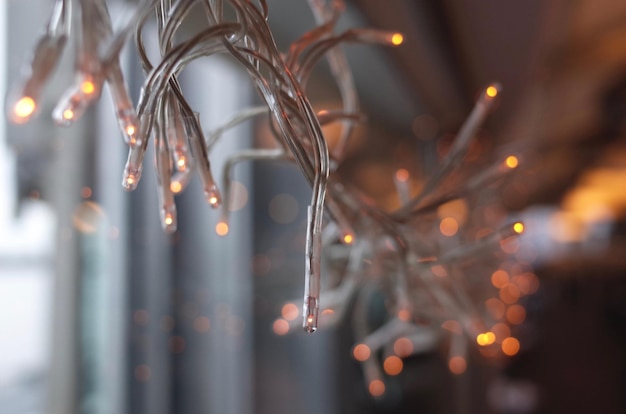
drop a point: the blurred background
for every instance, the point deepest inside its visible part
(101, 312)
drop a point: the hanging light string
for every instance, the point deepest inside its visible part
(182, 148)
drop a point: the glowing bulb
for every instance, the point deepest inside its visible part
(393, 365)
(491, 91)
(181, 162)
(280, 327)
(88, 87)
(457, 365)
(24, 107)
(402, 175)
(348, 238)
(486, 338)
(377, 388)
(397, 39)
(168, 219)
(361, 352)
(221, 229)
(130, 130)
(130, 180)
(511, 161)
(213, 200)
(68, 114)
(176, 187)
(510, 346)
(449, 226)
(518, 227)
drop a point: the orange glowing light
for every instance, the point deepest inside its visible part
(181, 162)
(509, 293)
(176, 187)
(511, 161)
(377, 388)
(518, 227)
(397, 39)
(290, 311)
(348, 238)
(499, 278)
(486, 338)
(280, 327)
(491, 91)
(221, 229)
(24, 107)
(213, 200)
(404, 315)
(516, 314)
(402, 175)
(68, 114)
(403, 347)
(449, 226)
(168, 219)
(361, 352)
(457, 365)
(510, 346)
(393, 365)
(88, 87)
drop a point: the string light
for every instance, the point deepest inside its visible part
(395, 241)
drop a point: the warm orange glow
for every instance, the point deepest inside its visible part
(403, 347)
(280, 327)
(182, 162)
(452, 326)
(328, 312)
(457, 365)
(397, 39)
(68, 114)
(221, 229)
(290, 311)
(402, 175)
(377, 388)
(501, 331)
(348, 238)
(491, 91)
(511, 161)
(24, 107)
(499, 278)
(168, 219)
(516, 314)
(449, 226)
(393, 365)
(510, 346)
(404, 315)
(361, 352)
(130, 129)
(495, 307)
(518, 227)
(176, 187)
(213, 200)
(509, 293)
(88, 87)
(486, 338)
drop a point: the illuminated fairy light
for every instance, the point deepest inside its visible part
(369, 237)
(511, 161)
(24, 108)
(397, 39)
